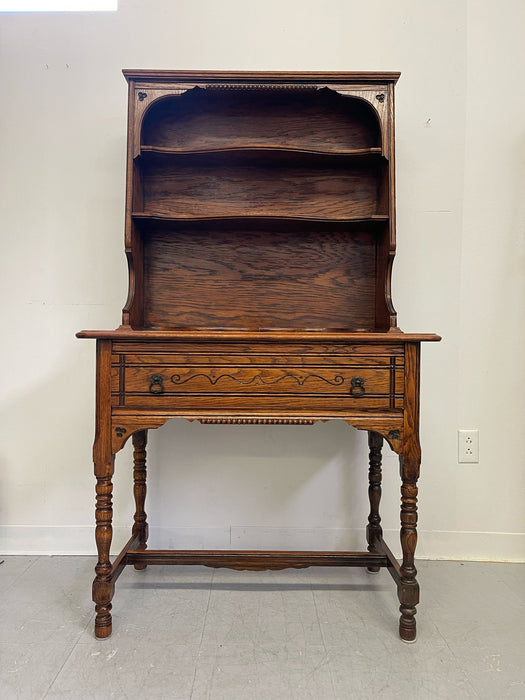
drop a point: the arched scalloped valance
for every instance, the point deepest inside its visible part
(299, 118)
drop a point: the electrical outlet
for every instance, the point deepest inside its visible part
(468, 446)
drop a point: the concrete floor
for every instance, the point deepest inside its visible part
(223, 635)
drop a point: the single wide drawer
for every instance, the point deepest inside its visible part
(373, 382)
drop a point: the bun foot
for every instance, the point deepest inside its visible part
(103, 623)
(407, 624)
(103, 632)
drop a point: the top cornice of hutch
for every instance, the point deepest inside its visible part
(190, 76)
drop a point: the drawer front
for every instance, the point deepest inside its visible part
(199, 379)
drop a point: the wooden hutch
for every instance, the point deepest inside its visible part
(260, 236)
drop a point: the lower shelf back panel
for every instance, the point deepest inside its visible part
(259, 279)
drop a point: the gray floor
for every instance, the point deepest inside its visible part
(310, 634)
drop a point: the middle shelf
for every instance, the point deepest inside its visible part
(212, 187)
(249, 220)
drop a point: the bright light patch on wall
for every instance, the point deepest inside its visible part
(58, 5)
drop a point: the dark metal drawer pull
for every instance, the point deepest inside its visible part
(357, 386)
(156, 385)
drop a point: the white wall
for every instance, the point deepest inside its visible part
(459, 272)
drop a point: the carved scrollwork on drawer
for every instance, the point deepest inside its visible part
(257, 379)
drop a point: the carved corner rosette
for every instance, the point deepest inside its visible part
(394, 437)
(123, 428)
(389, 429)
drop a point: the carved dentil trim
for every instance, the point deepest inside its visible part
(261, 86)
(256, 421)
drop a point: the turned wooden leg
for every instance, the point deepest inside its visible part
(373, 529)
(140, 526)
(104, 460)
(408, 589)
(410, 461)
(102, 585)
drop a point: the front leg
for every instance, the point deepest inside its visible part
(410, 462)
(140, 526)
(408, 590)
(103, 585)
(373, 529)
(104, 460)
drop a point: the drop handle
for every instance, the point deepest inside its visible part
(156, 385)
(357, 387)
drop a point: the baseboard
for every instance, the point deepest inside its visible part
(432, 544)
(58, 540)
(471, 546)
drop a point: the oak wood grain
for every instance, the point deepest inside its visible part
(191, 189)
(227, 401)
(198, 358)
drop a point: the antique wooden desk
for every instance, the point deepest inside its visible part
(260, 235)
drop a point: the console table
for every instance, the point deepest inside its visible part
(260, 236)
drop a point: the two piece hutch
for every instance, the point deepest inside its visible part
(260, 236)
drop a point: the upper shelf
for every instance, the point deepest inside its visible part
(312, 120)
(268, 151)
